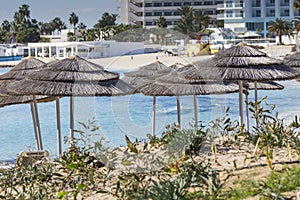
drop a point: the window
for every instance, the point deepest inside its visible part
(229, 14)
(187, 3)
(168, 13)
(286, 12)
(272, 13)
(177, 3)
(148, 4)
(148, 14)
(257, 13)
(166, 4)
(208, 3)
(169, 22)
(257, 3)
(197, 3)
(157, 13)
(157, 4)
(149, 24)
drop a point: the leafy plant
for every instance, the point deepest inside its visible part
(269, 131)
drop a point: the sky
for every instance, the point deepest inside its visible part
(88, 11)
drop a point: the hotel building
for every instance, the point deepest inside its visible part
(253, 15)
(146, 12)
(238, 15)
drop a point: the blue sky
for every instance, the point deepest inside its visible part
(88, 11)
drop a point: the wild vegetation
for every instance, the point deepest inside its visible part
(180, 164)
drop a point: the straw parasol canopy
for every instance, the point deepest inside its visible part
(8, 98)
(172, 84)
(149, 70)
(263, 86)
(72, 76)
(244, 63)
(293, 61)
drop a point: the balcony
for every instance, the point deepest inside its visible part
(136, 8)
(230, 16)
(230, 6)
(134, 17)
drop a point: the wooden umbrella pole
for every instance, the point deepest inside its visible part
(58, 125)
(153, 116)
(71, 121)
(196, 111)
(255, 91)
(178, 111)
(35, 126)
(247, 111)
(37, 122)
(241, 102)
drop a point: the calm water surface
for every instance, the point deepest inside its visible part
(125, 115)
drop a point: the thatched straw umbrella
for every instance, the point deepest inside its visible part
(7, 98)
(293, 61)
(72, 76)
(244, 63)
(147, 74)
(167, 82)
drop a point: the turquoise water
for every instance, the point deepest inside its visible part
(125, 115)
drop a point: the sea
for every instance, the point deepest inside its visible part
(129, 115)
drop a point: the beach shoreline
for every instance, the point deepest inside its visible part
(130, 62)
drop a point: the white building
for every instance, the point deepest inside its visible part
(253, 15)
(88, 50)
(146, 12)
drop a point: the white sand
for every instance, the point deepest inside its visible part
(135, 61)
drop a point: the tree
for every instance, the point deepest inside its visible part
(58, 24)
(81, 26)
(185, 24)
(161, 22)
(280, 27)
(21, 19)
(73, 20)
(201, 20)
(106, 20)
(28, 35)
(297, 4)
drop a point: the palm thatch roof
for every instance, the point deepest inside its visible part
(263, 86)
(293, 60)
(22, 68)
(172, 84)
(68, 77)
(181, 89)
(71, 70)
(246, 63)
(17, 73)
(153, 69)
(206, 72)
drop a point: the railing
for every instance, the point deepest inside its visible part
(230, 15)
(231, 5)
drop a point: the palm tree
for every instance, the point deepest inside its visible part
(280, 27)
(58, 24)
(161, 22)
(73, 20)
(297, 4)
(201, 20)
(185, 24)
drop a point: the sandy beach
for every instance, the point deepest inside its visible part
(130, 62)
